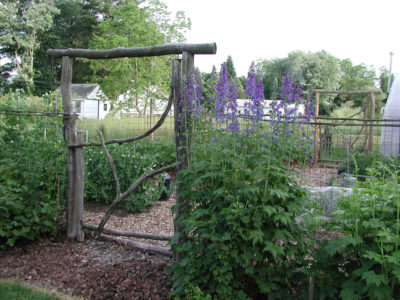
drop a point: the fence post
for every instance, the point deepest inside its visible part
(316, 132)
(366, 123)
(75, 168)
(371, 127)
(183, 137)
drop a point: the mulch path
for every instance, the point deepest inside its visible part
(91, 269)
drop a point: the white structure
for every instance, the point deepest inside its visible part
(157, 106)
(89, 101)
(241, 106)
(390, 136)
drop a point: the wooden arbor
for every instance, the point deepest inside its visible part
(369, 115)
(75, 144)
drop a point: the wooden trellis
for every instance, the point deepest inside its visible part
(75, 164)
(369, 115)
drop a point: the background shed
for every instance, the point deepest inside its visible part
(89, 101)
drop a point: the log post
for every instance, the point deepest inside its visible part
(75, 171)
(183, 136)
(316, 132)
(366, 116)
(371, 128)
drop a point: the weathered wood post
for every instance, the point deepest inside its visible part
(75, 161)
(366, 117)
(371, 127)
(316, 129)
(183, 136)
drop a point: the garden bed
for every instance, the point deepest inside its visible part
(104, 270)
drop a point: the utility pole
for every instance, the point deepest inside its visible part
(390, 73)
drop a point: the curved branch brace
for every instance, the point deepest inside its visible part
(147, 133)
(111, 161)
(122, 197)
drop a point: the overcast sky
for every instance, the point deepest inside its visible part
(364, 31)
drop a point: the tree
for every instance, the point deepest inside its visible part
(73, 27)
(319, 70)
(140, 79)
(231, 68)
(22, 21)
(358, 77)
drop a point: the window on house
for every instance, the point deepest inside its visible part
(105, 107)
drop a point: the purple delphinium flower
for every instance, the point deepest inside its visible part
(226, 102)
(254, 108)
(191, 96)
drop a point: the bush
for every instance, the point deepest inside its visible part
(32, 175)
(365, 262)
(360, 163)
(130, 165)
(239, 235)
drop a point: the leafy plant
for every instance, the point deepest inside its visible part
(131, 162)
(365, 262)
(32, 176)
(361, 162)
(239, 232)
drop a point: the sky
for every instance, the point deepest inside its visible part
(365, 31)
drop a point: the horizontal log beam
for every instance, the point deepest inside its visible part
(141, 246)
(348, 92)
(139, 235)
(167, 49)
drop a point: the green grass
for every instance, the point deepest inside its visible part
(17, 291)
(125, 127)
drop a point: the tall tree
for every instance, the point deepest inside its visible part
(319, 70)
(358, 77)
(140, 79)
(231, 68)
(21, 22)
(72, 28)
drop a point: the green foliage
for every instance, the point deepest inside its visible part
(140, 79)
(361, 163)
(239, 236)
(32, 175)
(24, 20)
(365, 262)
(130, 165)
(358, 77)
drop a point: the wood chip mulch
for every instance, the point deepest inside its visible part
(98, 269)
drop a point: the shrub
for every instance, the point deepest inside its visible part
(130, 164)
(360, 163)
(365, 262)
(32, 175)
(239, 235)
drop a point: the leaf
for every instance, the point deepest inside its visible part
(256, 236)
(274, 249)
(373, 279)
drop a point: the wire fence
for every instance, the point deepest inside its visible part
(336, 140)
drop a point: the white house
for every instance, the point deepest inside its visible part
(89, 101)
(157, 106)
(267, 108)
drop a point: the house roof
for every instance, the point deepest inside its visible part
(84, 91)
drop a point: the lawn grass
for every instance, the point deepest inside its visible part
(17, 291)
(125, 127)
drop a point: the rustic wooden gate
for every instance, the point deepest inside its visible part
(181, 68)
(367, 127)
